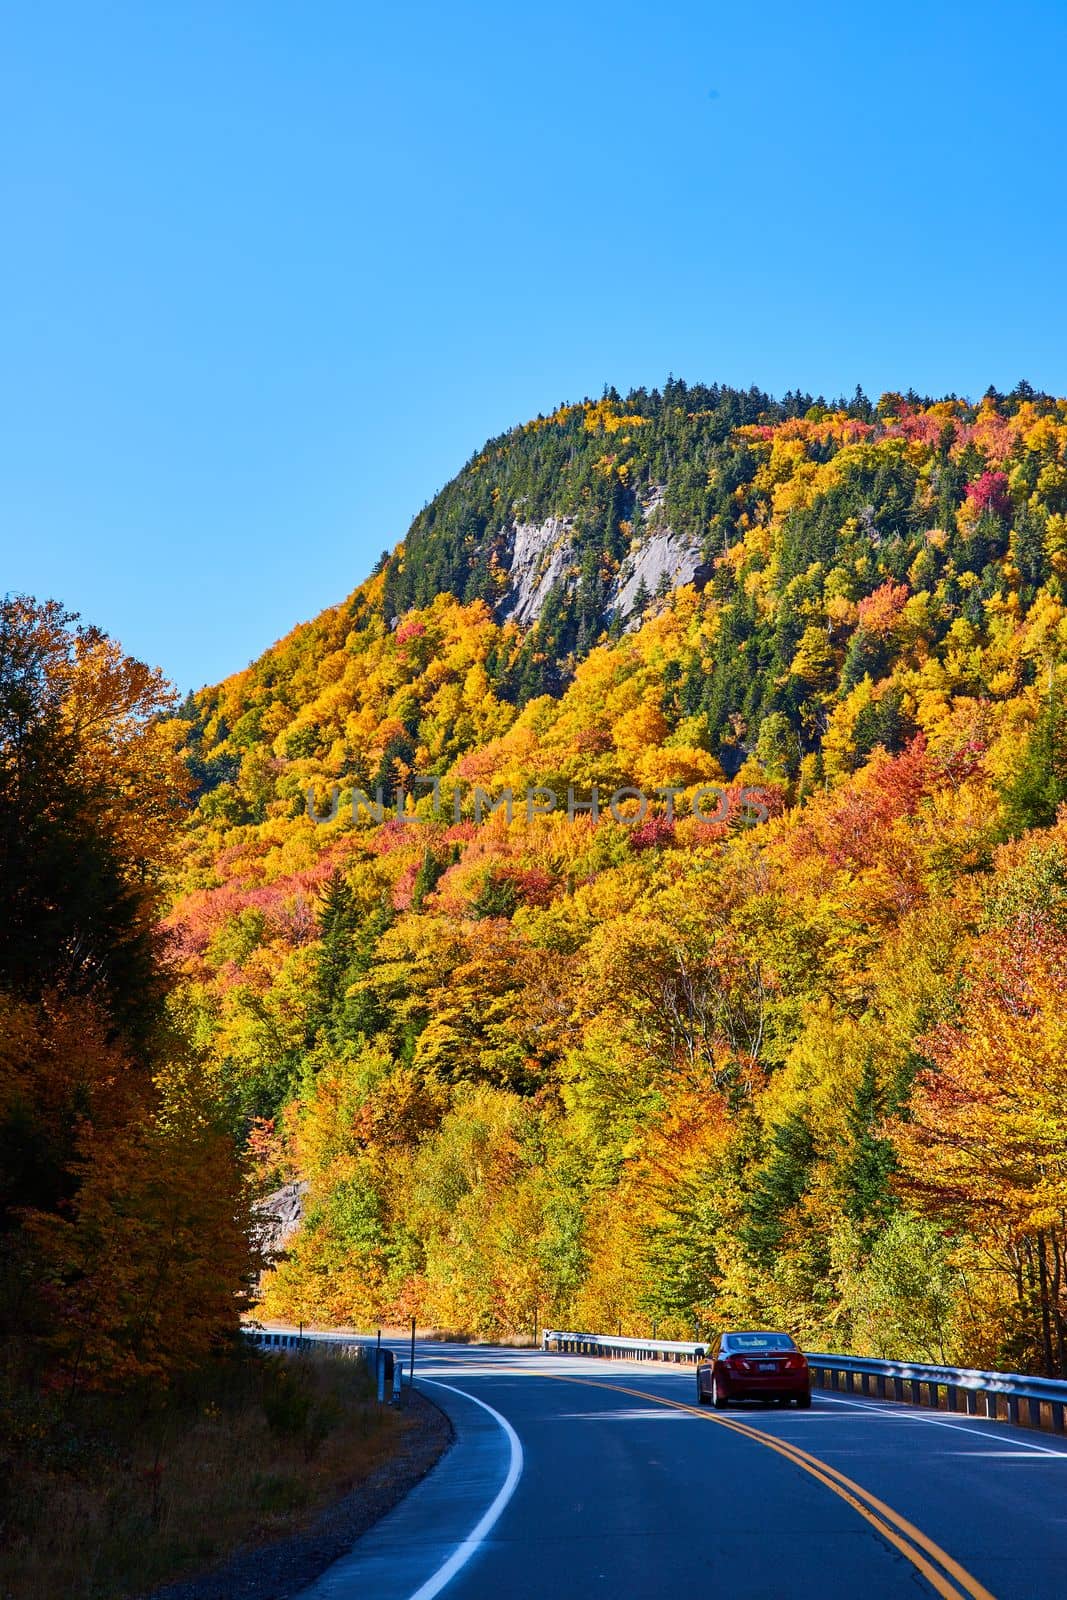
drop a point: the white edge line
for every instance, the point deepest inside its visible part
(463, 1552)
(940, 1422)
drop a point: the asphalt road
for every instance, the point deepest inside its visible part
(574, 1477)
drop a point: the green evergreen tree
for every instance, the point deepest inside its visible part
(426, 879)
(1038, 786)
(779, 1184)
(338, 924)
(866, 1170)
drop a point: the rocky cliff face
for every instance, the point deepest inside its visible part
(278, 1217)
(663, 561)
(541, 553)
(543, 557)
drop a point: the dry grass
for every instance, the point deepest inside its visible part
(101, 1503)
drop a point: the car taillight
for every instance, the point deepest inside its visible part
(736, 1364)
(796, 1362)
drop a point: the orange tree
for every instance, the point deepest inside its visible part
(985, 1149)
(121, 1209)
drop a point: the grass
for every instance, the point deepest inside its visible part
(101, 1500)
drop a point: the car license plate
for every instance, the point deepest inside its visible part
(768, 1366)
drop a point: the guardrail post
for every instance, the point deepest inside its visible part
(971, 1399)
(898, 1388)
(1013, 1408)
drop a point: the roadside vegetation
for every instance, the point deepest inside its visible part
(104, 1496)
(138, 1436)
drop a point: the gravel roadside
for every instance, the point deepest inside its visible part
(280, 1570)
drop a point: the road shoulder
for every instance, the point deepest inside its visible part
(284, 1568)
(443, 1522)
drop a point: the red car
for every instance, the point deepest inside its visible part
(753, 1366)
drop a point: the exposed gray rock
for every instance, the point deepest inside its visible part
(664, 554)
(278, 1217)
(540, 555)
(652, 507)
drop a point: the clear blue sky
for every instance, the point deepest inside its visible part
(271, 272)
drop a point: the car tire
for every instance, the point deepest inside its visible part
(718, 1400)
(803, 1402)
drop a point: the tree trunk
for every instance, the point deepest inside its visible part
(1046, 1317)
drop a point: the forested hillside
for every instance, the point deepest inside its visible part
(656, 1070)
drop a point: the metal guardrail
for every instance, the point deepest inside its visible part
(602, 1344)
(354, 1349)
(276, 1341)
(270, 1339)
(1000, 1396)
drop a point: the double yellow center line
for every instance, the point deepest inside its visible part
(944, 1575)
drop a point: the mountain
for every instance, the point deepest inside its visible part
(808, 533)
(713, 1051)
(572, 524)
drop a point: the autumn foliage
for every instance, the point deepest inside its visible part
(796, 1064)
(123, 1226)
(651, 1069)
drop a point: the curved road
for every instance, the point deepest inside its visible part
(574, 1477)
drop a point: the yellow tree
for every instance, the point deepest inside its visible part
(986, 1146)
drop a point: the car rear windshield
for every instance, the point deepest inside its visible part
(759, 1341)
